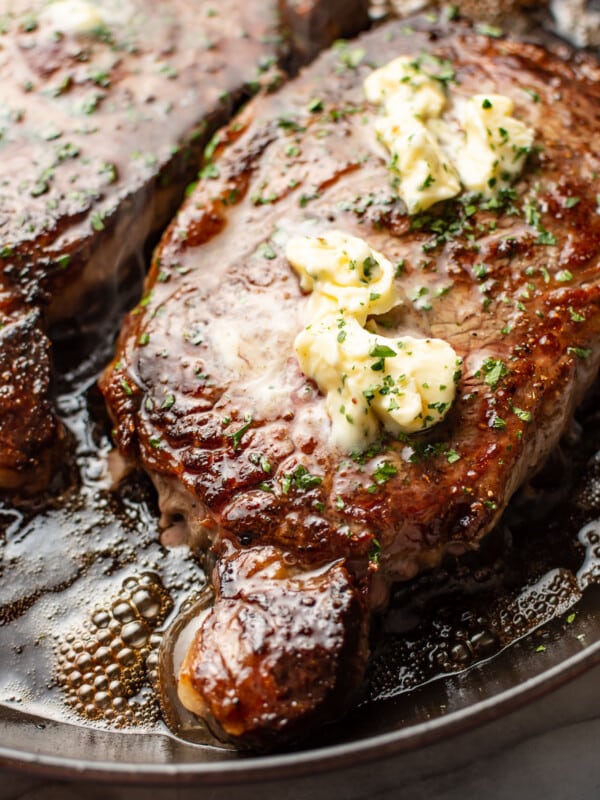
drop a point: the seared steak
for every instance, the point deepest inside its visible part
(106, 110)
(207, 395)
(27, 423)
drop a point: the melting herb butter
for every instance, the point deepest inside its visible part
(411, 99)
(404, 384)
(73, 16)
(343, 272)
(85, 18)
(440, 142)
(496, 145)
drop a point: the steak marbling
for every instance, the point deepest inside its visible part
(207, 395)
(106, 110)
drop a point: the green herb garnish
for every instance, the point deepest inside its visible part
(236, 436)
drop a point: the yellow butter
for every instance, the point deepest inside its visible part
(441, 143)
(401, 84)
(343, 272)
(73, 16)
(369, 381)
(411, 98)
(496, 144)
(426, 174)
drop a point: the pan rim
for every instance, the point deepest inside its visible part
(311, 761)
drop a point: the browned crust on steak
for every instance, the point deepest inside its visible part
(295, 640)
(188, 415)
(28, 431)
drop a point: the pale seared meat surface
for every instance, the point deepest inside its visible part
(106, 109)
(207, 395)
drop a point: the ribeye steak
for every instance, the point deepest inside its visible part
(207, 395)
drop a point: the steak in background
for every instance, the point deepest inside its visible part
(28, 422)
(207, 396)
(106, 110)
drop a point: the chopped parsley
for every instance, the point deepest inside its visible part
(489, 30)
(210, 171)
(306, 198)
(300, 479)
(236, 436)
(368, 265)
(194, 337)
(263, 199)
(348, 56)
(564, 275)
(375, 551)
(266, 251)
(382, 351)
(29, 24)
(440, 69)
(545, 237)
(429, 181)
(261, 461)
(575, 316)
(383, 473)
(524, 416)
(580, 352)
(494, 370)
(97, 221)
(532, 213)
(109, 171)
(362, 456)
(288, 124)
(533, 217)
